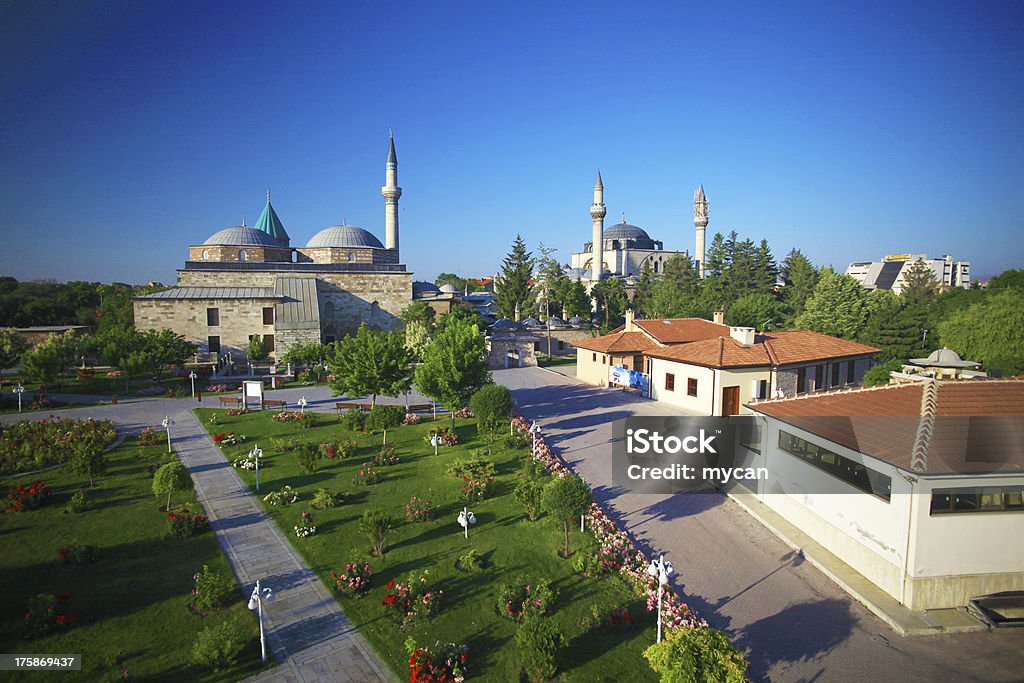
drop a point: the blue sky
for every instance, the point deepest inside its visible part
(849, 130)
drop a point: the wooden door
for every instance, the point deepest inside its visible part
(730, 400)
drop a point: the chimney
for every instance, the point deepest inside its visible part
(719, 317)
(630, 325)
(743, 335)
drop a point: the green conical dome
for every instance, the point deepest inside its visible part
(271, 224)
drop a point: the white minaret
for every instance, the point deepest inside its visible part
(597, 213)
(700, 221)
(391, 192)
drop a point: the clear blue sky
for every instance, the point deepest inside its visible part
(850, 130)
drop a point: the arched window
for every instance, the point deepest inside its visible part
(206, 254)
(242, 255)
(351, 257)
(295, 256)
(655, 266)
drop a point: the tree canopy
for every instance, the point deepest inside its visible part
(991, 331)
(454, 365)
(512, 288)
(838, 306)
(370, 362)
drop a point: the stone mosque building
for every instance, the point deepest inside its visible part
(623, 249)
(249, 280)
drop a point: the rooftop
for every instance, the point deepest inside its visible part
(679, 330)
(213, 293)
(620, 342)
(774, 349)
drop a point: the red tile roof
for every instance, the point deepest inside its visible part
(620, 342)
(681, 330)
(770, 350)
(884, 422)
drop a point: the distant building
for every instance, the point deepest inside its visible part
(890, 272)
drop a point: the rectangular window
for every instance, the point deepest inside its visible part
(761, 389)
(593, 357)
(978, 499)
(604, 359)
(213, 317)
(835, 374)
(670, 382)
(851, 366)
(213, 342)
(268, 315)
(841, 467)
(801, 380)
(691, 387)
(268, 340)
(536, 347)
(561, 345)
(819, 378)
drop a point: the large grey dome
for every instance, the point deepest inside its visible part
(242, 236)
(625, 231)
(344, 236)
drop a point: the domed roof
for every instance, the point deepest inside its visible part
(448, 289)
(944, 358)
(505, 324)
(242, 236)
(625, 231)
(531, 322)
(344, 236)
(424, 286)
(555, 322)
(577, 321)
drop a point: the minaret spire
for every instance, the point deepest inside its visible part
(700, 222)
(597, 214)
(391, 192)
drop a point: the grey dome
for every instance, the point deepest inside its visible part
(505, 324)
(555, 322)
(242, 236)
(448, 289)
(343, 236)
(577, 321)
(944, 358)
(531, 322)
(625, 231)
(422, 286)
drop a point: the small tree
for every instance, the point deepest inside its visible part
(257, 348)
(376, 524)
(170, 478)
(879, 374)
(538, 642)
(530, 494)
(566, 498)
(695, 655)
(12, 346)
(454, 366)
(492, 405)
(368, 362)
(383, 418)
(87, 458)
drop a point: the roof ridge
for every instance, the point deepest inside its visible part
(834, 392)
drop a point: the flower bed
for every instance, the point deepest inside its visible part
(30, 445)
(229, 439)
(186, 522)
(27, 497)
(386, 457)
(46, 612)
(411, 600)
(339, 450)
(305, 527)
(366, 476)
(411, 419)
(302, 419)
(285, 496)
(249, 461)
(443, 663)
(525, 598)
(419, 510)
(354, 580)
(152, 436)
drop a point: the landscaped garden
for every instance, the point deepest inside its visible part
(379, 524)
(104, 571)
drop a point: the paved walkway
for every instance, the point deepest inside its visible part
(793, 622)
(307, 632)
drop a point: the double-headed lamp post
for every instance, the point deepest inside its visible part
(19, 390)
(661, 570)
(302, 404)
(434, 441)
(167, 423)
(465, 519)
(192, 376)
(256, 453)
(535, 431)
(259, 596)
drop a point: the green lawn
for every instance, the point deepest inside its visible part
(132, 602)
(547, 362)
(511, 544)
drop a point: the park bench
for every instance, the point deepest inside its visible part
(273, 403)
(345, 406)
(420, 408)
(230, 401)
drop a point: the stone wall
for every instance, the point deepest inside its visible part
(239, 318)
(497, 353)
(347, 255)
(223, 253)
(567, 337)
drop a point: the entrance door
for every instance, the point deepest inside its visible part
(730, 400)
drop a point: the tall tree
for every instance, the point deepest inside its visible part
(893, 327)
(12, 347)
(549, 277)
(759, 310)
(799, 277)
(838, 306)
(369, 362)
(642, 291)
(991, 331)
(573, 298)
(512, 288)
(920, 285)
(167, 348)
(454, 366)
(417, 339)
(419, 311)
(611, 298)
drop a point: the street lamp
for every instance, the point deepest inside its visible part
(465, 519)
(167, 425)
(256, 453)
(259, 596)
(302, 404)
(434, 441)
(192, 376)
(535, 430)
(19, 390)
(661, 570)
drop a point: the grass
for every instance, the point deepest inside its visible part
(132, 602)
(552, 361)
(511, 544)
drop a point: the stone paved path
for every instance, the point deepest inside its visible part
(307, 632)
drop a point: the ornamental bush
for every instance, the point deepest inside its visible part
(354, 420)
(492, 405)
(338, 450)
(354, 580)
(694, 655)
(186, 522)
(211, 590)
(366, 476)
(386, 457)
(383, 418)
(79, 502)
(419, 510)
(441, 663)
(472, 561)
(170, 478)
(525, 597)
(538, 642)
(47, 612)
(474, 466)
(219, 646)
(307, 455)
(77, 554)
(409, 601)
(27, 497)
(530, 494)
(323, 500)
(376, 524)
(286, 496)
(306, 526)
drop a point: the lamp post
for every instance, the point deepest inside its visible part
(302, 404)
(192, 376)
(434, 440)
(19, 390)
(465, 519)
(661, 570)
(259, 595)
(535, 430)
(167, 425)
(256, 453)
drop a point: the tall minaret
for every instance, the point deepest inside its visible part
(391, 192)
(597, 213)
(700, 221)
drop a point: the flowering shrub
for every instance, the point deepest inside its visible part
(247, 462)
(354, 580)
(235, 412)
(339, 450)
(386, 457)
(186, 522)
(475, 489)
(285, 496)
(305, 527)
(46, 612)
(443, 663)
(366, 476)
(445, 435)
(419, 510)
(411, 600)
(285, 445)
(152, 436)
(324, 499)
(229, 439)
(30, 445)
(115, 374)
(79, 502)
(525, 598)
(215, 388)
(41, 403)
(77, 554)
(411, 419)
(303, 420)
(210, 590)
(464, 412)
(27, 497)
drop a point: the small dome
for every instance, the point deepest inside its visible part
(944, 358)
(424, 287)
(577, 321)
(242, 236)
(554, 323)
(531, 322)
(504, 324)
(625, 231)
(344, 236)
(448, 289)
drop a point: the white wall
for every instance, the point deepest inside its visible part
(744, 379)
(702, 404)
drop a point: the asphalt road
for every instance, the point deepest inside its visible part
(792, 621)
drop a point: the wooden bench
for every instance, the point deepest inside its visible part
(346, 406)
(420, 408)
(230, 401)
(273, 403)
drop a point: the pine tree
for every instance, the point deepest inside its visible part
(837, 306)
(610, 295)
(512, 287)
(799, 277)
(642, 291)
(919, 284)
